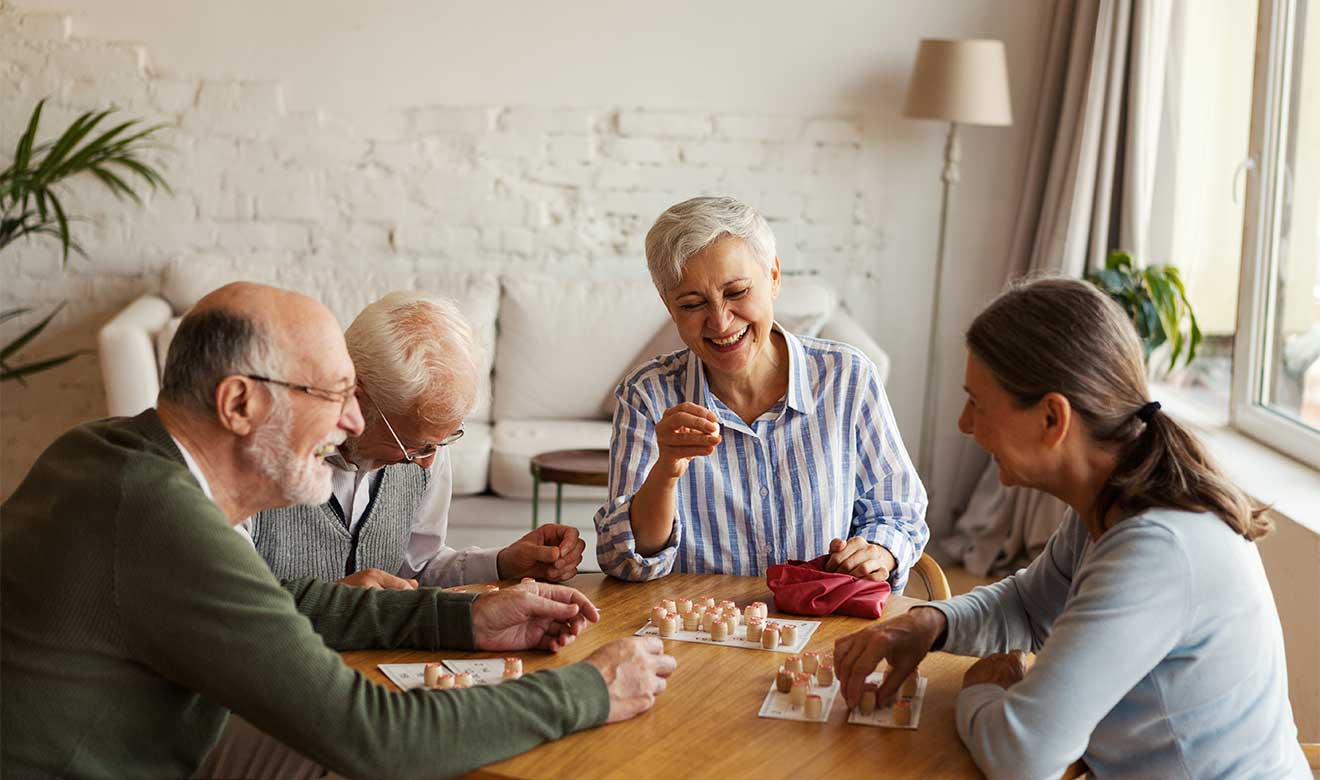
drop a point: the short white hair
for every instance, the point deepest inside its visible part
(689, 227)
(416, 355)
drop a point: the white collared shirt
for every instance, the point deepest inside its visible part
(197, 472)
(426, 559)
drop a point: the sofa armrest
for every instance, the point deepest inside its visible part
(842, 327)
(129, 369)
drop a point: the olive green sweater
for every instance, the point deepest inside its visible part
(135, 619)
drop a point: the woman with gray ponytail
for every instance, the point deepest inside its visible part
(1158, 647)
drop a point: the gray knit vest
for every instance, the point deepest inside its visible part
(313, 541)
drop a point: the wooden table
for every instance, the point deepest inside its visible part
(567, 467)
(705, 724)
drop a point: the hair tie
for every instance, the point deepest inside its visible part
(1148, 411)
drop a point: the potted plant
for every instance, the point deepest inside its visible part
(1156, 301)
(30, 204)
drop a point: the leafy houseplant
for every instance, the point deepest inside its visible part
(30, 204)
(1156, 301)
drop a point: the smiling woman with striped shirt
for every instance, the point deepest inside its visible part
(751, 446)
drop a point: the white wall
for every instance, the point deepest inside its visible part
(266, 95)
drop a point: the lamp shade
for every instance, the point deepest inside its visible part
(960, 81)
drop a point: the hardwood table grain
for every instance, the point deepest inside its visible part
(705, 724)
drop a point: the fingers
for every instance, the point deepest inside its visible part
(840, 552)
(695, 411)
(893, 679)
(665, 665)
(872, 565)
(567, 595)
(541, 553)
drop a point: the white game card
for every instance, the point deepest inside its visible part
(739, 638)
(884, 716)
(776, 704)
(485, 671)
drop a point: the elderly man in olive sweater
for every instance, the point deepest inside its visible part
(161, 621)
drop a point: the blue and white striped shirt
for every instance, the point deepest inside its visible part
(824, 462)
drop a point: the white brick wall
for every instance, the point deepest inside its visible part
(424, 187)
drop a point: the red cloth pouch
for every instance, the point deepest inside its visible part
(805, 588)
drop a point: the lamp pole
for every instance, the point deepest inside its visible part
(949, 177)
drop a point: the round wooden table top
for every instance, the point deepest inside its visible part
(574, 467)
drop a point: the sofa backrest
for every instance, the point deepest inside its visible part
(564, 345)
(346, 293)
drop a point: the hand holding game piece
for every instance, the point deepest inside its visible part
(684, 432)
(635, 672)
(860, 558)
(903, 642)
(533, 615)
(550, 552)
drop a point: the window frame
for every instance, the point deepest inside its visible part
(1272, 95)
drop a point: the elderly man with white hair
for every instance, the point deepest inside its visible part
(385, 523)
(752, 446)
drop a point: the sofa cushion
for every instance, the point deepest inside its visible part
(162, 340)
(516, 441)
(347, 293)
(564, 344)
(470, 458)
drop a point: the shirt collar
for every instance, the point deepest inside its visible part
(194, 468)
(800, 398)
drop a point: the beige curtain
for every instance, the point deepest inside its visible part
(1089, 187)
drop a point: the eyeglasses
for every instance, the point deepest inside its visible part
(340, 397)
(426, 450)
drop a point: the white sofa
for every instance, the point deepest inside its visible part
(555, 348)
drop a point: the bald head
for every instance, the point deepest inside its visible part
(253, 329)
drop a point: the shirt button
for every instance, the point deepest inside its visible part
(765, 492)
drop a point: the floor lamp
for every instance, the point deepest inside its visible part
(962, 83)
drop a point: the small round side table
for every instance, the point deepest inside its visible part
(567, 467)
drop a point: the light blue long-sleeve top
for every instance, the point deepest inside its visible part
(1160, 655)
(824, 462)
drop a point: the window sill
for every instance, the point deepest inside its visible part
(1268, 476)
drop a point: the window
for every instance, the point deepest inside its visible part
(1237, 209)
(1276, 372)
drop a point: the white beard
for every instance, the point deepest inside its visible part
(300, 480)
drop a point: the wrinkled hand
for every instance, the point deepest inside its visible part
(532, 615)
(684, 432)
(551, 552)
(635, 671)
(1002, 669)
(903, 642)
(380, 580)
(861, 559)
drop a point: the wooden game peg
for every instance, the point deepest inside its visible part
(797, 695)
(691, 621)
(526, 580)
(759, 609)
(669, 626)
(463, 680)
(430, 672)
(903, 712)
(788, 634)
(770, 637)
(810, 662)
(813, 707)
(754, 627)
(783, 680)
(669, 605)
(443, 681)
(684, 606)
(794, 664)
(513, 668)
(868, 700)
(708, 602)
(731, 623)
(825, 675)
(719, 631)
(658, 614)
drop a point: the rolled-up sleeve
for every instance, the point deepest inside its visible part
(633, 451)
(890, 509)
